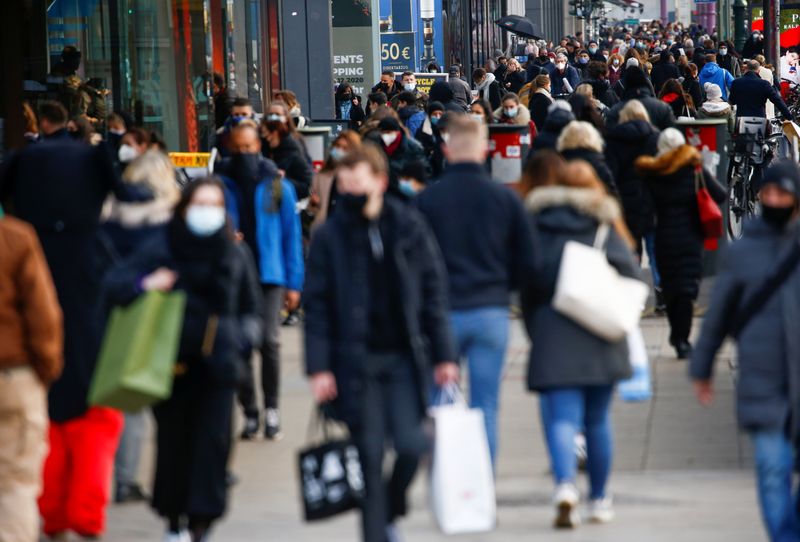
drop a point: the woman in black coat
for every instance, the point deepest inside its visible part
(197, 255)
(581, 141)
(670, 176)
(633, 137)
(284, 146)
(540, 101)
(573, 370)
(348, 106)
(514, 77)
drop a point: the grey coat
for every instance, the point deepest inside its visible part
(563, 353)
(768, 389)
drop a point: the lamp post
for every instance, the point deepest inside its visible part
(739, 30)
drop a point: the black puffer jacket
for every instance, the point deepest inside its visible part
(679, 239)
(601, 89)
(564, 354)
(624, 144)
(663, 70)
(291, 157)
(556, 120)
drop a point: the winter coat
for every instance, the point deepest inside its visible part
(557, 80)
(421, 102)
(491, 91)
(692, 88)
(768, 384)
(677, 103)
(540, 102)
(337, 293)
(128, 225)
(409, 151)
(214, 290)
(659, 112)
(663, 70)
(278, 243)
(223, 103)
(523, 116)
(59, 186)
(462, 95)
(413, 118)
(730, 63)
(602, 92)
(355, 113)
(614, 76)
(679, 238)
(624, 144)
(291, 157)
(750, 93)
(32, 333)
(513, 81)
(597, 161)
(712, 73)
(555, 122)
(717, 110)
(564, 354)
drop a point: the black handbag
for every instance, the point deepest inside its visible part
(331, 479)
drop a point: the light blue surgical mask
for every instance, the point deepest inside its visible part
(337, 154)
(593, 50)
(511, 113)
(205, 220)
(407, 188)
(583, 60)
(435, 120)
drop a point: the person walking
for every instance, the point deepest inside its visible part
(400, 149)
(768, 380)
(376, 321)
(323, 189)
(581, 141)
(572, 370)
(284, 146)
(348, 106)
(31, 358)
(715, 107)
(713, 73)
(485, 239)
(126, 226)
(672, 93)
(540, 101)
(197, 255)
(262, 207)
(637, 87)
(512, 111)
(679, 240)
(488, 87)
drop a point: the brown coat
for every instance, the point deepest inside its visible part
(31, 329)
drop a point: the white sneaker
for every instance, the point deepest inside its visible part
(566, 499)
(182, 536)
(601, 510)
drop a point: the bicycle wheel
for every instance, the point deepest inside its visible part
(736, 201)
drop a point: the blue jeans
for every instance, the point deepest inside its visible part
(650, 247)
(566, 412)
(774, 457)
(481, 337)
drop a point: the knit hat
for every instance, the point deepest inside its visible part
(713, 91)
(435, 106)
(632, 62)
(389, 124)
(670, 139)
(785, 175)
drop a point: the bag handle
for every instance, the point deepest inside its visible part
(699, 179)
(320, 419)
(601, 237)
(449, 394)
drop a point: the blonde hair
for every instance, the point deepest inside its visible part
(586, 90)
(579, 134)
(154, 170)
(633, 110)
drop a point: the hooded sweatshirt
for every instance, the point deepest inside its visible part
(712, 73)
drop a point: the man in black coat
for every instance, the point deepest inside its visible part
(664, 70)
(750, 93)
(768, 386)
(486, 242)
(223, 101)
(376, 318)
(638, 87)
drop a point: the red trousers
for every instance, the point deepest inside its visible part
(77, 472)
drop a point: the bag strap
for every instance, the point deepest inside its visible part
(767, 289)
(699, 179)
(601, 237)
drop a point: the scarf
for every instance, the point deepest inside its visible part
(488, 80)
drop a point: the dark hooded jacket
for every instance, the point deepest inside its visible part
(556, 120)
(637, 87)
(602, 91)
(290, 156)
(663, 70)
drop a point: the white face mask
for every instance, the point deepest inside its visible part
(409, 86)
(205, 220)
(127, 153)
(389, 138)
(561, 66)
(117, 132)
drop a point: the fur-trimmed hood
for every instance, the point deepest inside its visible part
(136, 215)
(670, 162)
(587, 201)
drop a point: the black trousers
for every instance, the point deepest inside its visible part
(194, 442)
(391, 412)
(680, 310)
(270, 356)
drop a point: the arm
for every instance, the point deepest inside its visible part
(728, 78)
(775, 97)
(291, 238)
(250, 311)
(520, 244)
(318, 305)
(40, 311)
(717, 191)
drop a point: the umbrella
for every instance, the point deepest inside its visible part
(521, 26)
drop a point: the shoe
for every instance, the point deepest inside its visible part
(601, 510)
(683, 349)
(272, 424)
(292, 319)
(128, 493)
(661, 306)
(581, 455)
(393, 533)
(566, 500)
(182, 536)
(250, 428)
(231, 479)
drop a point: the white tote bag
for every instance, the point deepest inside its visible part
(462, 481)
(590, 292)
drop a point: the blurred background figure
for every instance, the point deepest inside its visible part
(323, 189)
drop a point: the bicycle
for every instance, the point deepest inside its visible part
(751, 152)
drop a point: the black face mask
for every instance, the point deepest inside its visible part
(777, 217)
(346, 97)
(352, 203)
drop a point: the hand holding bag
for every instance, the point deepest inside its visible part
(710, 214)
(462, 479)
(591, 293)
(331, 479)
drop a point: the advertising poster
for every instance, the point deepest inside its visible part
(398, 51)
(419, 21)
(426, 80)
(354, 60)
(790, 24)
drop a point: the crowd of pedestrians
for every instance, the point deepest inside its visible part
(403, 255)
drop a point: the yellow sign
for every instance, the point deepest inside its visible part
(190, 159)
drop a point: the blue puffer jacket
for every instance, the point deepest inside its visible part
(712, 73)
(278, 234)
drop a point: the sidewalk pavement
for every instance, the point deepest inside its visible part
(682, 472)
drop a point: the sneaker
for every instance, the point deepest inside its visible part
(683, 349)
(250, 428)
(393, 533)
(601, 510)
(272, 424)
(182, 536)
(128, 493)
(581, 455)
(292, 319)
(661, 305)
(566, 500)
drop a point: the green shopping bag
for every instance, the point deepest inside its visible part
(138, 354)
